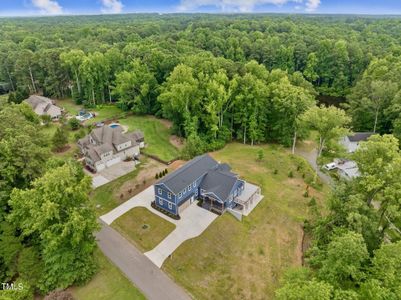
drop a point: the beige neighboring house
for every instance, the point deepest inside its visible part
(106, 146)
(44, 106)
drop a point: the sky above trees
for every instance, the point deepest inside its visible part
(57, 7)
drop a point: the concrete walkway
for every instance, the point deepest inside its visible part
(152, 282)
(194, 220)
(143, 199)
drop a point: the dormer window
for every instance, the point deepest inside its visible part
(159, 191)
(179, 195)
(189, 187)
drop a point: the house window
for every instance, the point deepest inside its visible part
(185, 190)
(169, 195)
(160, 201)
(194, 184)
(196, 193)
(159, 191)
(170, 206)
(189, 187)
(179, 195)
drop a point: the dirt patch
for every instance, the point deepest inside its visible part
(176, 164)
(166, 123)
(295, 181)
(144, 179)
(62, 150)
(177, 141)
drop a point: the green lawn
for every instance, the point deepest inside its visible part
(49, 132)
(157, 136)
(245, 260)
(143, 228)
(104, 112)
(69, 105)
(105, 195)
(3, 99)
(108, 284)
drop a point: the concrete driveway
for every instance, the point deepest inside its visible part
(194, 220)
(111, 173)
(142, 199)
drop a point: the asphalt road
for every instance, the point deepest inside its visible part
(146, 276)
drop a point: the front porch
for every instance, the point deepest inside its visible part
(212, 205)
(249, 198)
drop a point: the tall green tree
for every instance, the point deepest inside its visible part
(136, 88)
(57, 214)
(329, 122)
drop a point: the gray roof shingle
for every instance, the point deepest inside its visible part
(360, 136)
(188, 173)
(219, 183)
(218, 178)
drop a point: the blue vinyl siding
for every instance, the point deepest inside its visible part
(165, 200)
(166, 205)
(188, 193)
(176, 200)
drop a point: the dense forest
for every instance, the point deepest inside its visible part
(253, 78)
(216, 77)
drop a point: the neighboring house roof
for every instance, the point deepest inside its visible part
(106, 140)
(360, 136)
(188, 173)
(43, 106)
(349, 168)
(137, 135)
(217, 177)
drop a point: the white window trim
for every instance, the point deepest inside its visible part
(194, 184)
(189, 187)
(169, 195)
(160, 201)
(179, 195)
(159, 191)
(170, 206)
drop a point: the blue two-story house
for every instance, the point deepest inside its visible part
(201, 178)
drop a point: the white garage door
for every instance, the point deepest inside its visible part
(184, 206)
(113, 161)
(100, 167)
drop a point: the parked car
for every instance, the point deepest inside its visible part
(330, 166)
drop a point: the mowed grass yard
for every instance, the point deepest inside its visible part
(143, 228)
(245, 260)
(108, 284)
(156, 131)
(157, 135)
(69, 105)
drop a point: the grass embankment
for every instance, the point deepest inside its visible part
(245, 260)
(108, 284)
(156, 131)
(143, 228)
(157, 136)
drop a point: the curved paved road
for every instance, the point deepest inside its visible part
(153, 282)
